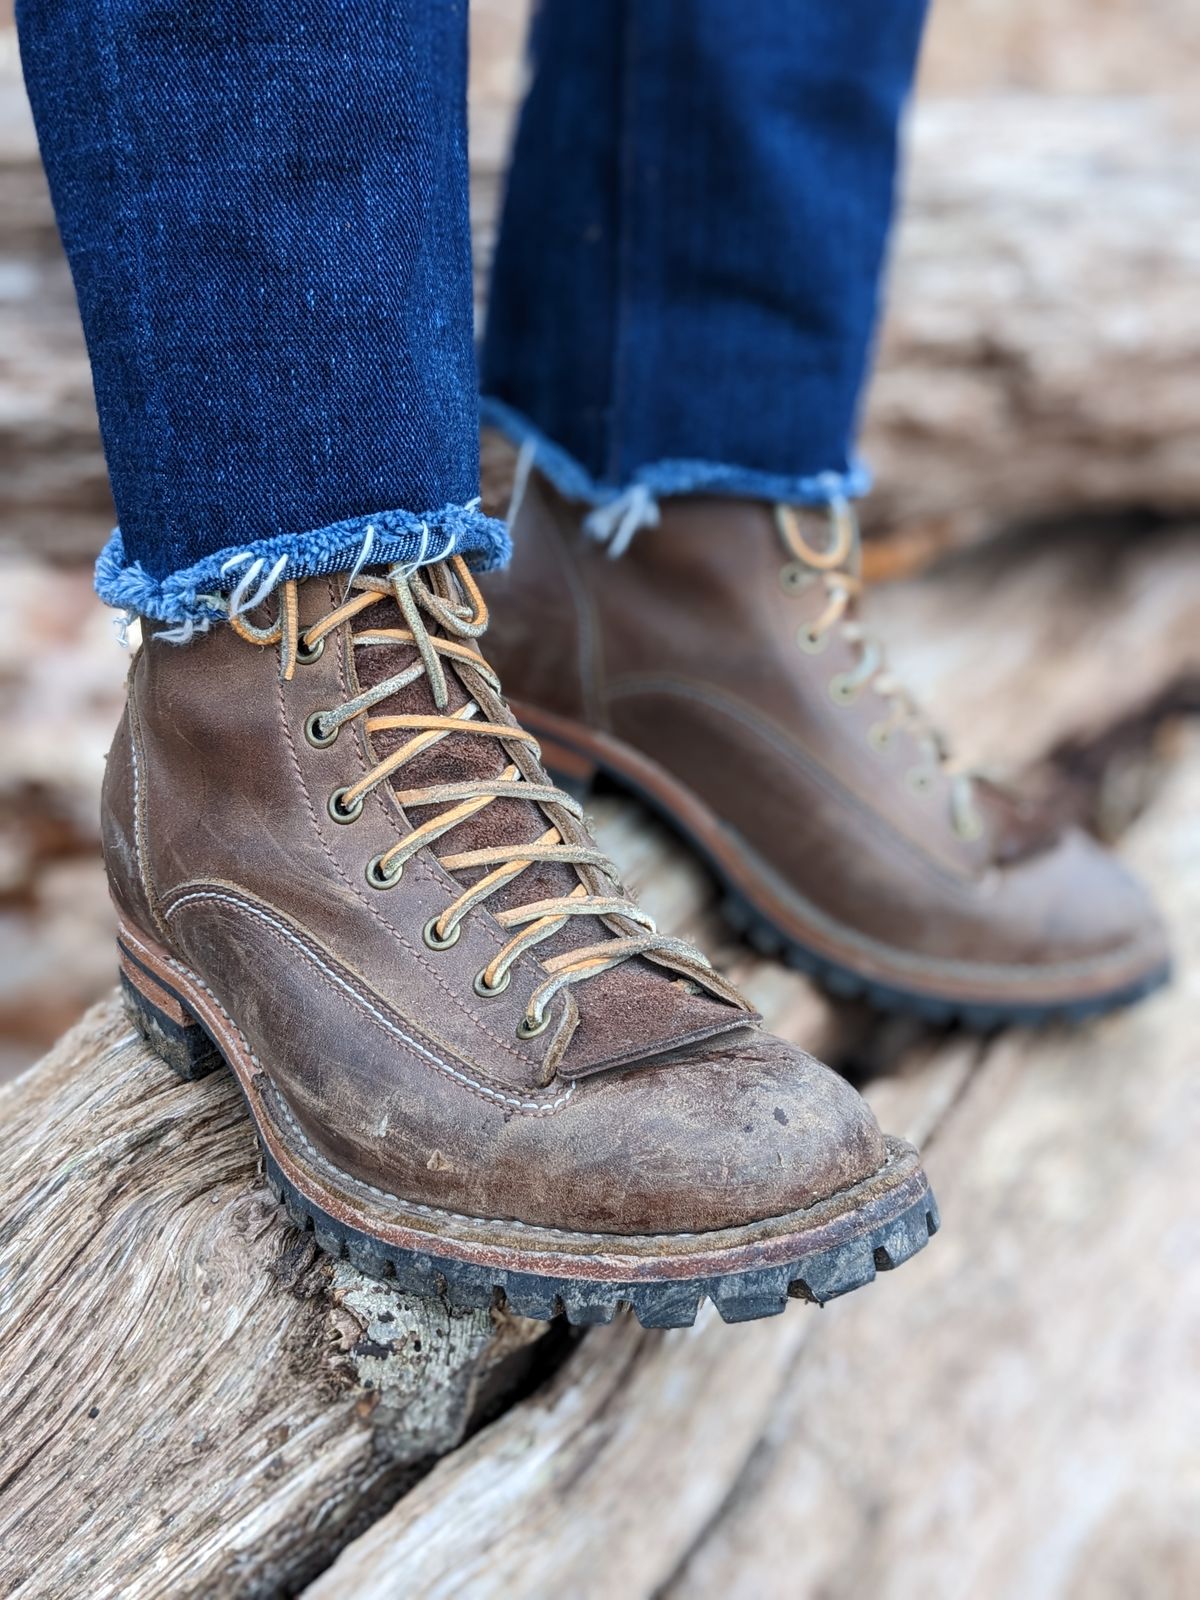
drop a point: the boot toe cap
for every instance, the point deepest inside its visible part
(1089, 911)
(742, 1128)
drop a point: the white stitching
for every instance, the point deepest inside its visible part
(460, 1216)
(534, 1227)
(540, 1107)
(145, 882)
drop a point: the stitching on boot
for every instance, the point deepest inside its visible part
(140, 836)
(459, 1216)
(572, 1233)
(541, 1107)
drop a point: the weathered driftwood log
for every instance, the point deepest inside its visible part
(235, 1444)
(1016, 1416)
(193, 1400)
(1041, 353)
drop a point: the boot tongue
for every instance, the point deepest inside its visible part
(1020, 828)
(464, 758)
(631, 1011)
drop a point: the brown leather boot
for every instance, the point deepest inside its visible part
(717, 669)
(473, 1063)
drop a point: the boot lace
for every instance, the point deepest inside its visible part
(446, 596)
(838, 567)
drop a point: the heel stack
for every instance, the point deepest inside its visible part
(165, 1023)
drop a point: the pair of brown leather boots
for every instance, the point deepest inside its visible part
(474, 1063)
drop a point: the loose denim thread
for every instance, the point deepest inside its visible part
(621, 510)
(616, 523)
(231, 582)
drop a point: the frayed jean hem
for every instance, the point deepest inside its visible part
(662, 478)
(199, 595)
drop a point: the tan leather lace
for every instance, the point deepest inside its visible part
(838, 568)
(448, 596)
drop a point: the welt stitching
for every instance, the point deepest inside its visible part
(633, 687)
(572, 1233)
(373, 911)
(541, 1107)
(458, 1216)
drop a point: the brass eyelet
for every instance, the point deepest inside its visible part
(919, 779)
(794, 577)
(350, 813)
(435, 941)
(972, 831)
(307, 654)
(843, 691)
(879, 736)
(811, 642)
(314, 735)
(381, 877)
(489, 991)
(530, 1030)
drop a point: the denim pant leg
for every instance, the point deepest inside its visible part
(265, 207)
(686, 279)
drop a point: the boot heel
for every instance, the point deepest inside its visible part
(166, 1025)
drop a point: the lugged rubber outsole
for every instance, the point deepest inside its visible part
(976, 1016)
(817, 1276)
(738, 1297)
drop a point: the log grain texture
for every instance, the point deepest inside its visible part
(194, 1401)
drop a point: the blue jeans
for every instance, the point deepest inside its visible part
(265, 208)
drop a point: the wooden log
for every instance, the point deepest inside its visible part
(196, 1402)
(1013, 1414)
(139, 1242)
(1041, 352)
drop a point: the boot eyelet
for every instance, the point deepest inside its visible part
(489, 991)
(811, 642)
(530, 1030)
(879, 737)
(314, 734)
(794, 577)
(969, 830)
(307, 654)
(341, 813)
(843, 691)
(381, 877)
(919, 780)
(436, 942)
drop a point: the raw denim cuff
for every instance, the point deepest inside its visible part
(677, 477)
(199, 594)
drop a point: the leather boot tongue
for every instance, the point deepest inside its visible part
(634, 1010)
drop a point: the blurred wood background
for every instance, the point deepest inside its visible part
(1014, 1415)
